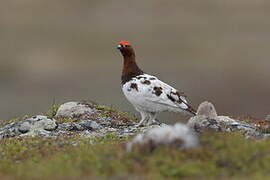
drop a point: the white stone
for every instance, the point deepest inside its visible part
(207, 109)
(38, 122)
(74, 109)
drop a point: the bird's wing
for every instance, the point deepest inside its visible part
(156, 91)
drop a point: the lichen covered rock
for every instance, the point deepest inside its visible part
(75, 110)
(36, 125)
(93, 120)
(76, 118)
(207, 118)
(80, 126)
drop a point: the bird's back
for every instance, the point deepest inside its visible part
(148, 93)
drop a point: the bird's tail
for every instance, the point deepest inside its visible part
(191, 110)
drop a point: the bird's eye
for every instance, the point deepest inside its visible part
(124, 45)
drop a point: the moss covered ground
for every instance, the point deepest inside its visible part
(219, 156)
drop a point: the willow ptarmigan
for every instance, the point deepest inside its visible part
(147, 93)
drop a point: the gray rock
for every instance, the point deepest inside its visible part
(74, 110)
(87, 121)
(207, 118)
(179, 136)
(36, 125)
(39, 132)
(207, 109)
(10, 130)
(66, 127)
(38, 122)
(90, 125)
(220, 123)
(81, 126)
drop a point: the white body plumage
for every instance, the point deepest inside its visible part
(149, 96)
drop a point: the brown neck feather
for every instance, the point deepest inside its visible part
(130, 67)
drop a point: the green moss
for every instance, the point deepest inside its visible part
(121, 117)
(68, 120)
(219, 156)
(52, 112)
(104, 108)
(247, 120)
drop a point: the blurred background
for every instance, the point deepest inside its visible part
(55, 50)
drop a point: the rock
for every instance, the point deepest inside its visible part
(66, 127)
(81, 126)
(39, 132)
(179, 135)
(10, 130)
(36, 125)
(207, 109)
(84, 118)
(75, 110)
(89, 120)
(207, 118)
(38, 122)
(90, 125)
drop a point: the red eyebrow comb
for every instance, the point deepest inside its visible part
(124, 43)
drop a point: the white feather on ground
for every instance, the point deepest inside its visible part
(179, 135)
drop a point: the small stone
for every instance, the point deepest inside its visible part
(207, 109)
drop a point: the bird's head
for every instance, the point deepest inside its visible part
(125, 48)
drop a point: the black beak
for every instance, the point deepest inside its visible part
(119, 47)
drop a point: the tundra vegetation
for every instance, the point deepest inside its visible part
(73, 156)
